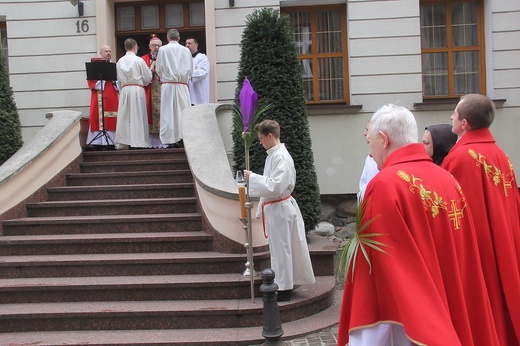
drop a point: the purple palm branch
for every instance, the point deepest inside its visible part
(248, 103)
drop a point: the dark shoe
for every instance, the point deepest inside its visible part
(283, 296)
(180, 143)
(174, 145)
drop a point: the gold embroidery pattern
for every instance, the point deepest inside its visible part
(493, 172)
(100, 109)
(110, 114)
(433, 201)
(107, 114)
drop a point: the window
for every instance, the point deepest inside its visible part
(3, 40)
(125, 18)
(452, 47)
(159, 16)
(173, 15)
(150, 17)
(320, 35)
(140, 20)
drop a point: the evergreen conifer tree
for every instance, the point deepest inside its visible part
(10, 135)
(270, 62)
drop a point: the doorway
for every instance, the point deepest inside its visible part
(141, 20)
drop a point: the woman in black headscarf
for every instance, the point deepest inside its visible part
(438, 140)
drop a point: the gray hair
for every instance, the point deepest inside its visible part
(173, 35)
(397, 122)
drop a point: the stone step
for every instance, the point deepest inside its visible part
(129, 178)
(235, 336)
(167, 314)
(67, 193)
(134, 166)
(133, 155)
(113, 207)
(127, 288)
(121, 264)
(122, 248)
(105, 243)
(185, 222)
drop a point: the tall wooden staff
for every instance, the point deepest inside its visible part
(250, 115)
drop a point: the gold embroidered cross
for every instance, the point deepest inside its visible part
(455, 214)
(507, 185)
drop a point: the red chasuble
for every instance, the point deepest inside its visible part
(110, 104)
(488, 181)
(429, 280)
(153, 97)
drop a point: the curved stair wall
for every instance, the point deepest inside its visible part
(52, 153)
(218, 194)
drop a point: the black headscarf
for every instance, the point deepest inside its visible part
(443, 140)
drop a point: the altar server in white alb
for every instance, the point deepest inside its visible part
(132, 76)
(174, 66)
(282, 219)
(199, 82)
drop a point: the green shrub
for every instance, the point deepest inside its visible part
(10, 135)
(270, 62)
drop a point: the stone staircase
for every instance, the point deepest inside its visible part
(121, 255)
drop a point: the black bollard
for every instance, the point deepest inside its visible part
(272, 331)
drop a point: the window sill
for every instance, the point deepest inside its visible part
(313, 110)
(448, 104)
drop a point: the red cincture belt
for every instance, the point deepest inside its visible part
(139, 85)
(176, 83)
(271, 202)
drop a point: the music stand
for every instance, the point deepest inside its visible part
(101, 70)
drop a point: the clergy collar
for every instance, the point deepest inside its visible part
(270, 150)
(195, 54)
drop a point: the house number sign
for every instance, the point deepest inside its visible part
(82, 26)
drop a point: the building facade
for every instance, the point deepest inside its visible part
(356, 56)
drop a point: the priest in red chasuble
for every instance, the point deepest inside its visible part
(109, 90)
(488, 180)
(153, 93)
(412, 269)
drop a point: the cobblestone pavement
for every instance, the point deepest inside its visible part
(326, 337)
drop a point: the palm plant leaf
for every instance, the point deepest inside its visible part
(238, 125)
(359, 241)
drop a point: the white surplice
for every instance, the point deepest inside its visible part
(174, 66)
(132, 122)
(284, 224)
(369, 171)
(199, 82)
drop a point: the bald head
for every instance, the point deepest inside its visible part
(105, 51)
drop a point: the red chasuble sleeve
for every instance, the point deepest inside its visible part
(110, 104)
(488, 180)
(429, 280)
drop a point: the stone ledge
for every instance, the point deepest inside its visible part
(52, 149)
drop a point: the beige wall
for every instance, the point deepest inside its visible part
(47, 60)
